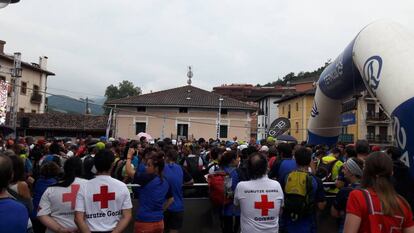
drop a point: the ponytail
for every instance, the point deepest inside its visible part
(72, 169)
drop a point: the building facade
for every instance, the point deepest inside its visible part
(365, 120)
(267, 113)
(32, 84)
(297, 109)
(184, 112)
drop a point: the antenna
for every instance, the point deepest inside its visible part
(189, 75)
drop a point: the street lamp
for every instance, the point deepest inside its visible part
(219, 117)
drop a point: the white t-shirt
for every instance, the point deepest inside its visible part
(59, 203)
(260, 202)
(102, 199)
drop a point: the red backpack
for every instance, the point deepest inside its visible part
(379, 222)
(220, 190)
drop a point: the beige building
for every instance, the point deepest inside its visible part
(183, 112)
(33, 83)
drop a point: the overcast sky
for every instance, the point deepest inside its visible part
(94, 43)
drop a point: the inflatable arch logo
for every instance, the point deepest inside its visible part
(372, 71)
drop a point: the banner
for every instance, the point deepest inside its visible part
(278, 127)
(3, 101)
(108, 127)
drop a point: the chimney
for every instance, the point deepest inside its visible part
(2, 43)
(43, 62)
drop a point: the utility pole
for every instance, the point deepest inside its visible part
(16, 73)
(219, 117)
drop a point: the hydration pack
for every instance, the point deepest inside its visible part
(298, 189)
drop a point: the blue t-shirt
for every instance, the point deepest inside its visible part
(152, 195)
(176, 176)
(13, 216)
(286, 166)
(230, 209)
(306, 224)
(40, 187)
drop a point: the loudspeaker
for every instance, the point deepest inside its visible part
(24, 122)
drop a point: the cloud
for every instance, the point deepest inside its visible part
(92, 44)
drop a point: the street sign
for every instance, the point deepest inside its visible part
(278, 127)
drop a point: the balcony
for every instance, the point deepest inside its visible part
(384, 139)
(376, 116)
(36, 98)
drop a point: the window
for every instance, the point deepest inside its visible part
(283, 110)
(35, 89)
(182, 130)
(288, 111)
(223, 111)
(183, 110)
(223, 131)
(297, 127)
(33, 111)
(140, 127)
(2, 78)
(141, 109)
(370, 132)
(21, 110)
(23, 88)
(297, 106)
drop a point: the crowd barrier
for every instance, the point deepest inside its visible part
(200, 217)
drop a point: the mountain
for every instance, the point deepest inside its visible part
(61, 103)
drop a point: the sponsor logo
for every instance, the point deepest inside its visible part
(401, 137)
(314, 111)
(372, 71)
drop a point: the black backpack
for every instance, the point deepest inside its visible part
(324, 171)
(298, 190)
(192, 168)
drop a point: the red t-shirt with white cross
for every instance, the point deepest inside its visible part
(102, 199)
(357, 205)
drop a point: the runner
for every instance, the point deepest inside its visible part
(377, 207)
(176, 177)
(352, 170)
(260, 199)
(103, 204)
(301, 218)
(282, 167)
(10, 222)
(155, 195)
(57, 206)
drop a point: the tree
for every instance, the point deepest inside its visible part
(124, 89)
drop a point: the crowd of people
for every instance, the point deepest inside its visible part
(90, 185)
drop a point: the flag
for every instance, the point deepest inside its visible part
(108, 127)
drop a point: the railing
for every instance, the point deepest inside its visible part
(36, 98)
(379, 138)
(376, 116)
(200, 216)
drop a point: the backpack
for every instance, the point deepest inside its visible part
(378, 222)
(324, 171)
(192, 168)
(298, 189)
(220, 191)
(117, 169)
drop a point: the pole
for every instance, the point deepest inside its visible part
(219, 118)
(16, 74)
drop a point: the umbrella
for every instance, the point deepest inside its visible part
(286, 137)
(142, 134)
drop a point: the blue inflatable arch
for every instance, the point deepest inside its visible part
(380, 60)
